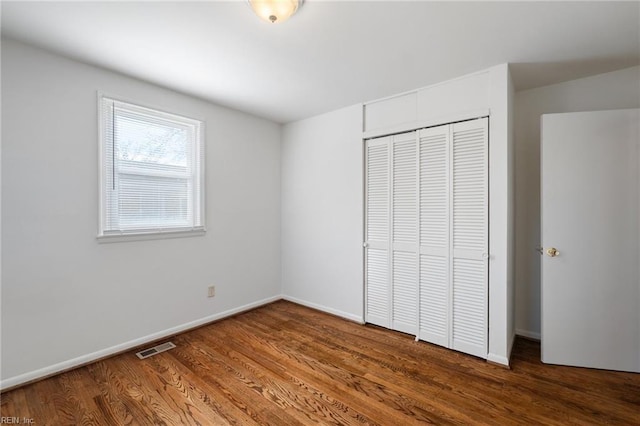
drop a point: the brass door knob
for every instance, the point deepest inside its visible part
(552, 252)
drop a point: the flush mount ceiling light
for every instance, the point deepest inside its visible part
(275, 11)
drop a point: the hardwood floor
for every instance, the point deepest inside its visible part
(284, 364)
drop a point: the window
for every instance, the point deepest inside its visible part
(151, 172)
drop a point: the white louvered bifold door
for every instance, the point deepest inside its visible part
(426, 255)
(404, 233)
(377, 262)
(434, 235)
(469, 236)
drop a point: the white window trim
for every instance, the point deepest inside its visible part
(110, 236)
(156, 234)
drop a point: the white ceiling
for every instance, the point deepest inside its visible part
(332, 53)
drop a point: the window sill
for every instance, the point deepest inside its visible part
(150, 235)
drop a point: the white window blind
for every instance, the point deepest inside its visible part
(151, 177)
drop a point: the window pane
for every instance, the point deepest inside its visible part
(143, 139)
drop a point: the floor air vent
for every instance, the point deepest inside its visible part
(155, 350)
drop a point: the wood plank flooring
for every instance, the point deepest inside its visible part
(284, 364)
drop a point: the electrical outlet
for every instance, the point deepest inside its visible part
(212, 291)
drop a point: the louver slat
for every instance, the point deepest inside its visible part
(469, 188)
(378, 192)
(377, 232)
(434, 300)
(377, 287)
(434, 235)
(404, 292)
(404, 191)
(469, 304)
(469, 236)
(405, 233)
(434, 214)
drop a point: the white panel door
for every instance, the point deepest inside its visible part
(377, 269)
(469, 236)
(434, 235)
(405, 233)
(591, 216)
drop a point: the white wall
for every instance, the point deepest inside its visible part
(614, 90)
(322, 212)
(67, 299)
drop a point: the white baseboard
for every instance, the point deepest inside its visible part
(498, 359)
(512, 340)
(88, 358)
(529, 334)
(326, 309)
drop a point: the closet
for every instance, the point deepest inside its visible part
(427, 234)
